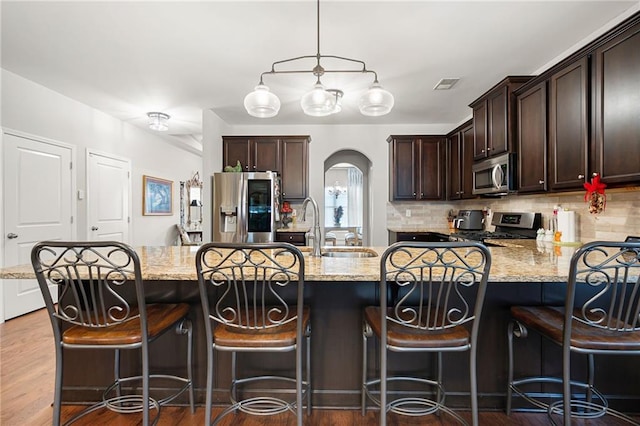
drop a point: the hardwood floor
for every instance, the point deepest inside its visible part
(26, 392)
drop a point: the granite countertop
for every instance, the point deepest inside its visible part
(521, 261)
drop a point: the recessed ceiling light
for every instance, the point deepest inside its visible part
(446, 83)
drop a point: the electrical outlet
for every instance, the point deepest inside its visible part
(407, 213)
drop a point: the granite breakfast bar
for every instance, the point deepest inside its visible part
(337, 289)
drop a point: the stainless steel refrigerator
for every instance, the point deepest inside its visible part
(245, 206)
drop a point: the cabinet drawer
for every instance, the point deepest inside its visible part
(295, 238)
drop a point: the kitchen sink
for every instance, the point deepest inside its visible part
(352, 253)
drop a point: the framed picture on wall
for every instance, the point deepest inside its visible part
(157, 196)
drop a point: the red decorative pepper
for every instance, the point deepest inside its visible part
(286, 207)
(595, 195)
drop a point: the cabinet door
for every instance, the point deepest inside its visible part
(295, 169)
(402, 174)
(498, 137)
(532, 139)
(466, 163)
(431, 168)
(568, 135)
(234, 150)
(453, 181)
(617, 107)
(480, 130)
(265, 154)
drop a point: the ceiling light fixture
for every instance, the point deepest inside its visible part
(319, 102)
(158, 121)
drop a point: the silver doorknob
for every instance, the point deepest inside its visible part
(11, 235)
(580, 176)
(94, 228)
(540, 182)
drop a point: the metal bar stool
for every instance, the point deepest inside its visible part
(245, 291)
(102, 305)
(606, 323)
(440, 290)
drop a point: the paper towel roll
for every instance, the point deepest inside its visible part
(567, 225)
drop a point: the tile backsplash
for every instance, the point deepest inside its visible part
(620, 218)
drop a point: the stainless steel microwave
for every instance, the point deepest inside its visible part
(494, 176)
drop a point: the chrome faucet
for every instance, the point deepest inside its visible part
(316, 225)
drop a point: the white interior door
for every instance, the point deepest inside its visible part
(38, 203)
(108, 197)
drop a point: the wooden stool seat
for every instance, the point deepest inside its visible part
(410, 337)
(549, 321)
(159, 318)
(279, 336)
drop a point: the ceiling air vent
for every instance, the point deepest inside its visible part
(446, 83)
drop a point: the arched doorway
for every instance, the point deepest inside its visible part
(346, 197)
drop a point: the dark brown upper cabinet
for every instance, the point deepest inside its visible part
(532, 139)
(568, 126)
(460, 162)
(494, 118)
(416, 167)
(295, 168)
(287, 155)
(616, 66)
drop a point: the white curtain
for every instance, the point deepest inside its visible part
(355, 196)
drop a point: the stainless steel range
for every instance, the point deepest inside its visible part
(508, 226)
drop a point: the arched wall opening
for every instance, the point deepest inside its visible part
(343, 187)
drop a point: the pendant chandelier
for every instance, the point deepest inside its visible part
(319, 102)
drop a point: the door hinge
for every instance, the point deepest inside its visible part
(128, 219)
(71, 219)
(70, 165)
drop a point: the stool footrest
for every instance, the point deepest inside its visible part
(413, 405)
(186, 385)
(263, 405)
(580, 408)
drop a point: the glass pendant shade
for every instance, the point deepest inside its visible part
(318, 102)
(158, 121)
(262, 103)
(376, 101)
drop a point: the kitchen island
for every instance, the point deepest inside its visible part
(337, 289)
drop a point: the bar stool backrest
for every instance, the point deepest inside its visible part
(434, 283)
(91, 280)
(611, 270)
(255, 284)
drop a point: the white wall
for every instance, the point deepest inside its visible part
(33, 109)
(39, 111)
(325, 140)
